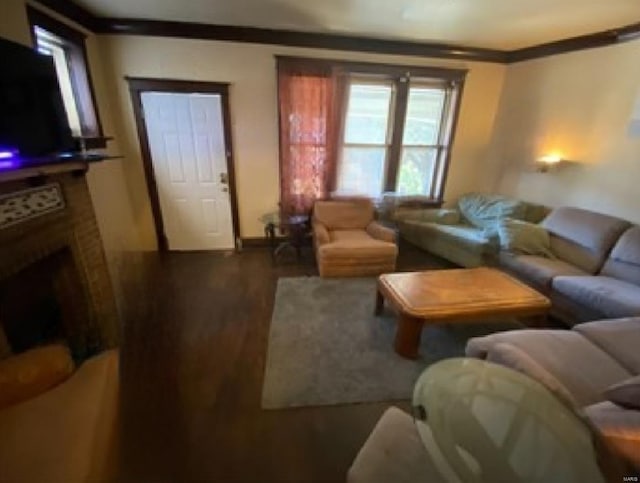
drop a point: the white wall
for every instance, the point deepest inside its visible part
(251, 71)
(578, 104)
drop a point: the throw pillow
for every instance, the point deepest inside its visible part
(519, 236)
(625, 393)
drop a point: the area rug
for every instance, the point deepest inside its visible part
(326, 347)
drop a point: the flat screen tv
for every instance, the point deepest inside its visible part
(33, 123)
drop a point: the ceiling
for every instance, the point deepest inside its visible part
(498, 24)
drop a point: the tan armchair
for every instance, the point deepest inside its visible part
(349, 242)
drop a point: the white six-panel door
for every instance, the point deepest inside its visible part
(186, 140)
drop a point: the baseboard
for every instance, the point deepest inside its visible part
(260, 241)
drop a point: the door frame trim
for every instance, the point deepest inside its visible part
(138, 85)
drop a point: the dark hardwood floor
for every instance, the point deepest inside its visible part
(194, 343)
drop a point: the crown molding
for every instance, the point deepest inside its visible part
(573, 44)
(296, 39)
(291, 38)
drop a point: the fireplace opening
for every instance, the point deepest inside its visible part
(45, 303)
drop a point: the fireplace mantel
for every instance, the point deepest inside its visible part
(78, 165)
(44, 170)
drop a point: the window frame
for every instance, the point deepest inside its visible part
(451, 80)
(79, 73)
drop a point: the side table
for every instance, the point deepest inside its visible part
(296, 229)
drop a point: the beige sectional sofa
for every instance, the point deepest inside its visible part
(579, 365)
(595, 269)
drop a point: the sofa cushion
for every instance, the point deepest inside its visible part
(620, 338)
(356, 244)
(344, 214)
(471, 237)
(624, 261)
(482, 210)
(625, 393)
(536, 270)
(432, 215)
(583, 238)
(583, 368)
(605, 295)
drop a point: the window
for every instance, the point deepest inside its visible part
(366, 138)
(396, 135)
(359, 128)
(66, 46)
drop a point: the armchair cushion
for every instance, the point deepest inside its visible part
(31, 373)
(355, 244)
(344, 214)
(380, 232)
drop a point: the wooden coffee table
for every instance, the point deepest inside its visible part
(459, 295)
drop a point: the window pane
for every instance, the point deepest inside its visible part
(416, 171)
(48, 44)
(362, 171)
(424, 112)
(367, 114)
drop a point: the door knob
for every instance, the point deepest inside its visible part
(224, 178)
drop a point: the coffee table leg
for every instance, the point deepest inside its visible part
(379, 303)
(408, 336)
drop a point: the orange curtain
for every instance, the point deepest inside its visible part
(307, 108)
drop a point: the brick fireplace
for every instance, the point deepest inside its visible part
(54, 281)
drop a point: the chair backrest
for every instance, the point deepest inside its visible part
(353, 214)
(583, 238)
(624, 261)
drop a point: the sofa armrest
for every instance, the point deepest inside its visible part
(379, 232)
(320, 233)
(442, 216)
(31, 373)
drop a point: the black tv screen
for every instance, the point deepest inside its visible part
(33, 121)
